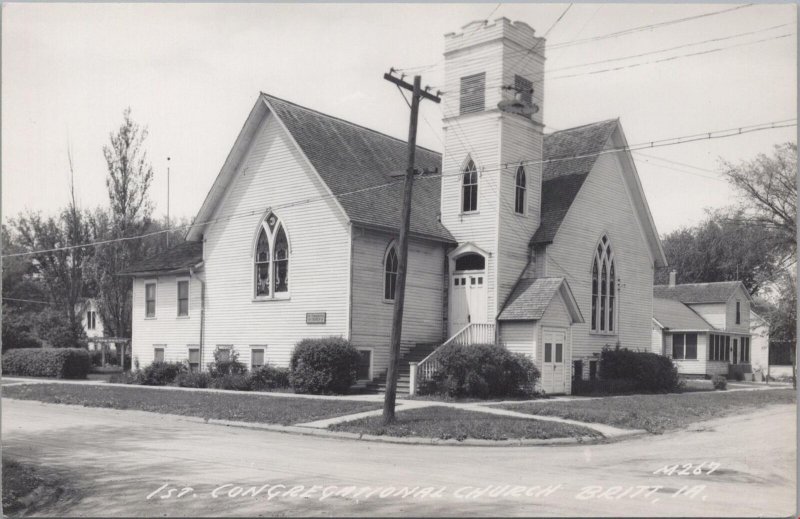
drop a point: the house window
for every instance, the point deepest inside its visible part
(150, 300)
(390, 273)
(524, 89)
(592, 369)
(519, 197)
(548, 352)
(603, 288)
(271, 259)
(715, 344)
(256, 358)
(727, 348)
(684, 346)
(183, 298)
(158, 354)
(472, 93)
(365, 365)
(470, 261)
(738, 312)
(746, 350)
(577, 370)
(194, 359)
(469, 188)
(90, 320)
(735, 356)
(559, 352)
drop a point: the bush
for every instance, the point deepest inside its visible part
(198, 379)
(269, 377)
(720, 382)
(161, 373)
(16, 332)
(127, 377)
(324, 366)
(482, 371)
(47, 362)
(226, 362)
(738, 375)
(234, 382)
(652, 372)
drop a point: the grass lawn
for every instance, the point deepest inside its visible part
(447, 423)
(658, 413)
(222, 406)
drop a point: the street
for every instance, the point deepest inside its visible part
(130, 463)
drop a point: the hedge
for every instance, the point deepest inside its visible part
(649, 371)
(482, 371)
(323, 366)
(47, 362)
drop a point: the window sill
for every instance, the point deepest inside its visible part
(182, 317)
(521, 215)
(273, 298)
(604, 334)
(388, 301)
(149, 318)
(468, 213)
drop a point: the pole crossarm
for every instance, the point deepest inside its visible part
(403, 84)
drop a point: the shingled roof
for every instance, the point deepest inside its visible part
(350, 157)
(531, 297)
(563, 177)
(688, 293)
(180, 257)
(674, 315)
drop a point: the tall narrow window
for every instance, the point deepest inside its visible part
(519, 198)
(183, 298)
(738, 312)
(150, 300)
(390, 274)
(271, 259)
(194, 359)
(469, 189)
(473, 93)
(262, 264)
(604, 290)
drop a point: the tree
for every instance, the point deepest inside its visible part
(128, 183)
(725, 246)
(768, 188)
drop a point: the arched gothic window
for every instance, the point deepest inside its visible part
(271, 258)
(603, 288)
(519, 198)
(469, 188)
(390, 274)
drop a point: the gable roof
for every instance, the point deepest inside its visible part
(531, 297)
(181, 257)
(674, 315)
(562, 179)
(688, 293)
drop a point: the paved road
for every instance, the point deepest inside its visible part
(115, 459)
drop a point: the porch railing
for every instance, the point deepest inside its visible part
(473, 333)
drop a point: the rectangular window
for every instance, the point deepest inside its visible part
(577, 370)
(592, 369)
(735, 356)
(150, 300)
(256, 358)
(677, 345)
(711, 347)
(158, 354)
(365, 365)
(559, 352)
(183, 298)
(472, 93)
(738, 313)
(691, 346)
(524, 88)
(727, 348)
(548, 352)
(194, 359)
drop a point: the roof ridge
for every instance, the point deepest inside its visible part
(350, 123)
(596, 123)
(695, 284)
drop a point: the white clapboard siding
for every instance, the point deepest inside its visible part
(759, 342)
(714, 313)
(518, 337)
(521, 141)
(274, 173)
(166, 328)
(657, 343)
(603, 206)
(744, 313)
(424, 300)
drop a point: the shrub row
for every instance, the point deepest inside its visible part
(645, 371)
(47, 362)
(481, 371)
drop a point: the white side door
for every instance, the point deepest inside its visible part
(467, 300)
(477, 298)
(553, 361)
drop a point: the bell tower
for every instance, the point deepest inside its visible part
(492, 120)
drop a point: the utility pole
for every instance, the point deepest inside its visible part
(168, 222)
(402, 242)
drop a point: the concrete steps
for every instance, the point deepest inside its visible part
(415, 354)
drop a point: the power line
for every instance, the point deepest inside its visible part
(28, 301)
(644, 145)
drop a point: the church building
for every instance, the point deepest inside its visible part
(543, 242)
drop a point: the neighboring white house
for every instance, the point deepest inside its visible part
(544, 243)
(91, 322)
(759, 346)
(704, 327)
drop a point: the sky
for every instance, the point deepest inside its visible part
(192, 72)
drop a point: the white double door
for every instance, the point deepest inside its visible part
(467, 299)
(554, 358)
